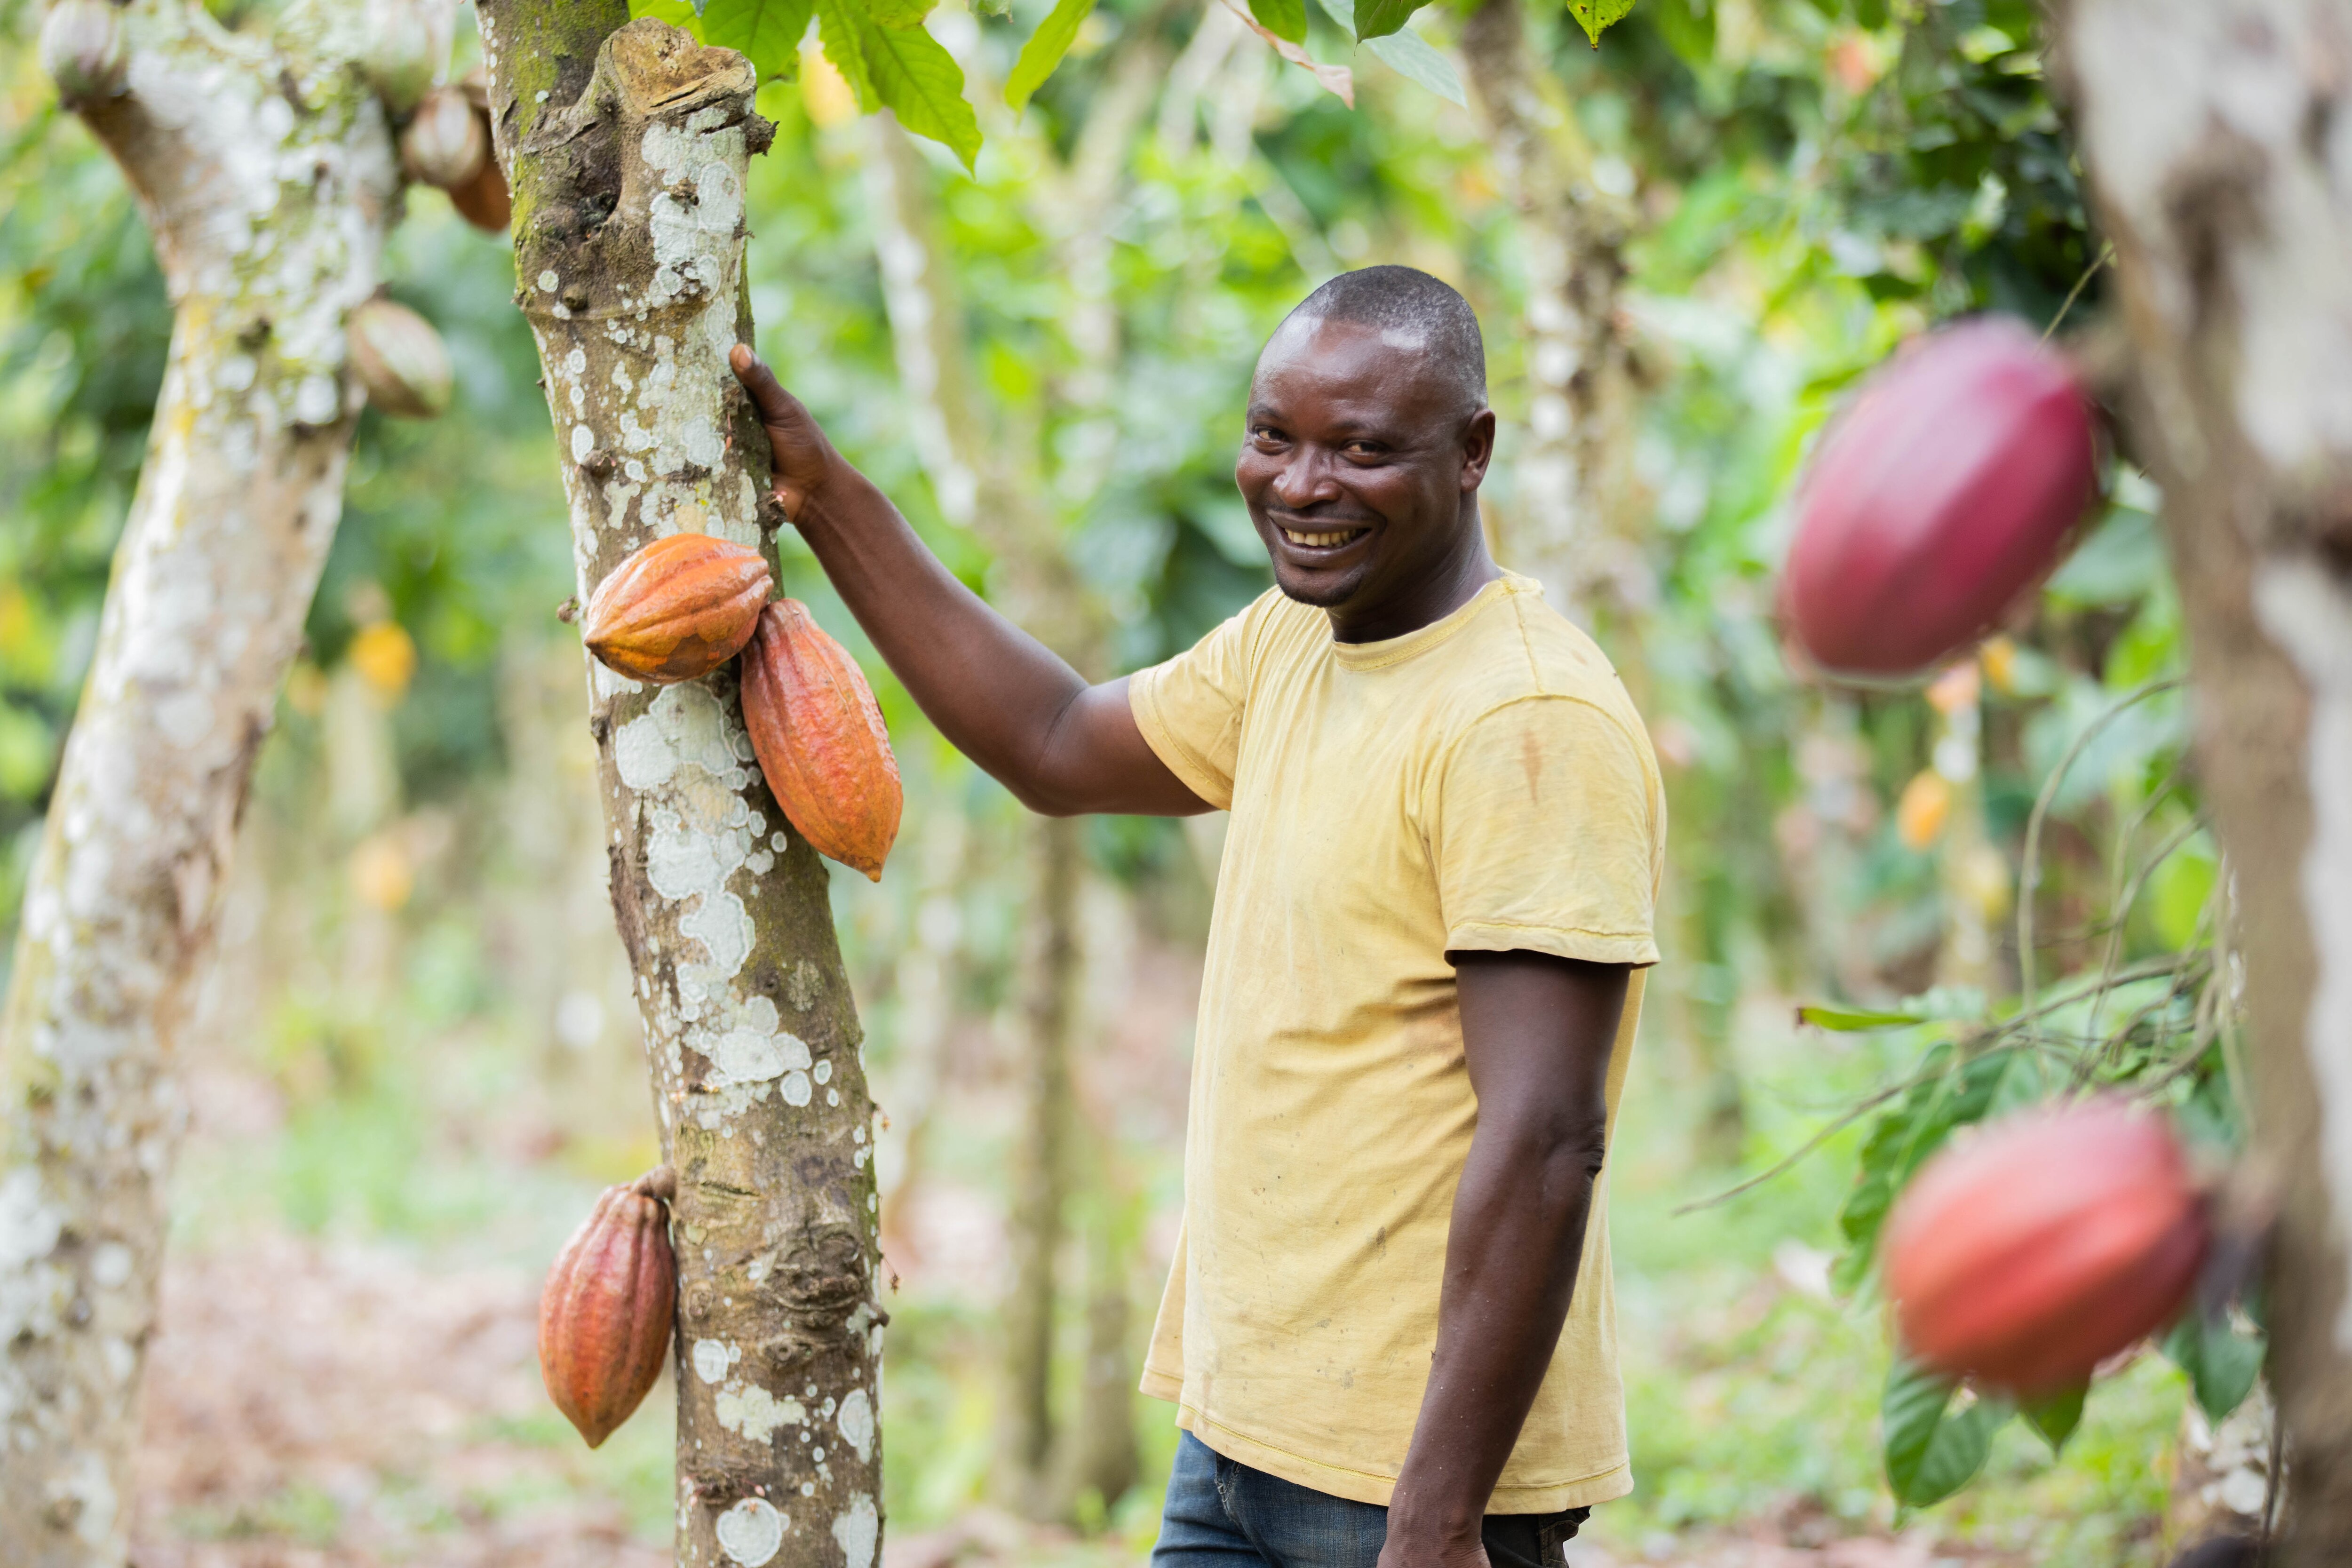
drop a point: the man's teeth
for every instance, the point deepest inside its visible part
(1321, 540)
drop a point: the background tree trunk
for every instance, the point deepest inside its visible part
(1574, 521)
(2219, 142)
(266, 170)
(626, 146)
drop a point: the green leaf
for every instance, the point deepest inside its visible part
(1854, 1023)
(916, 79)
(1597, 17)
(841, 30)
(2055, 1416)
(2221, 1363)
(767, 32)
(1930, 1451)
(1378, 18)
(676, 13)
(1044, 50)
(1407, 54)
(1410, 55)
(901, 13)
(1283, 18)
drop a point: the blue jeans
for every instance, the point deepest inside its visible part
(1223, 1514)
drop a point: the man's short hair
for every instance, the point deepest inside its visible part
(1410, 309)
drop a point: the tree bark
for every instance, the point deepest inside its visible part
(2219, 142)
(626, 146)
(266, 174)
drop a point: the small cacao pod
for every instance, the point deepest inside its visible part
(680, 607)
(820, 739)
(1948, 488)
(446, 144)
(604, 1311)
(82, 50)
(400, 360)
(2045, 1243)
(407, 44)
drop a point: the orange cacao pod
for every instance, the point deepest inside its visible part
(484, 201)
(605, 1312)
(820, 739)
(2044, 1245)
(680, 607)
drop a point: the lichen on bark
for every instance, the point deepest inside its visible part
(266, 174)
(2217, 139)
(629, 177)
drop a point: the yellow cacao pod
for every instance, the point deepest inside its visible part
(820, 739)
(605, 1312)
(400, 360)
(447, 144)
(680, 607)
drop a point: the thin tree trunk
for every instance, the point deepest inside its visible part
(1042, 1163)
(266, 174)
(1574, 471)
(2219, 142)
(1572, 522)
(626, 145)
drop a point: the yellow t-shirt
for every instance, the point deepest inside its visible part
(1483, 782)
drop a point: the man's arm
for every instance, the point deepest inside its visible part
(999, 695)
(1537, 1032)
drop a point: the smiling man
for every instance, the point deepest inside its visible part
(1389, 1330)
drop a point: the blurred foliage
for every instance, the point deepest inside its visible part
(1812, 180)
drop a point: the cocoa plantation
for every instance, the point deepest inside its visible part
(1108, 782)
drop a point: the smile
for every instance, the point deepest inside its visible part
(1323, 540)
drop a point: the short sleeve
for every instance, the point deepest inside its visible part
(1547, 835)
(1189, 709)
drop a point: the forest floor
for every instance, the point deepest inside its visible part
(310, 1404)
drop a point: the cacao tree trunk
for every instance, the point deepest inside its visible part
(2218, 137)
(266, 170)
(626, 146)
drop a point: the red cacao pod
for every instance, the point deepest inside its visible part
(2048, 1242)
(605, 1312)
(820, 739)
(1948, 488)
(680, 607)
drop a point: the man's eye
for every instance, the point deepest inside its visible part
(1361, 450)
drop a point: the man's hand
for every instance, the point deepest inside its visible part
(1405, 1548)
(804, 460)
(1003, 697)
(1537, 1036)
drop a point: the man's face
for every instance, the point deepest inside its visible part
(1358, 462)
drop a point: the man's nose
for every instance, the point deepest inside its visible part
(1304, 478)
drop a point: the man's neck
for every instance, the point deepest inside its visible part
(1426, 602)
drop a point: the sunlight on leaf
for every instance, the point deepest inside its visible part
(767, 32)
(1044, 49)
(1283, 18)
(1407, 53)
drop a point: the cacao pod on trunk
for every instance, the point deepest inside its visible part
(680, 607)
(447, 144)
(400, 360)
(2045, 1243)
(82, 50)
(605, 1312)
(1946, 489)
(407, 44)
(820, 739)
(483, 201)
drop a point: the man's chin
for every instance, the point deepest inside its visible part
(1323, 590)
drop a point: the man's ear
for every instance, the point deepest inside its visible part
(1477, 449)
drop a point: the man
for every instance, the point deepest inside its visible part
(1424, 967)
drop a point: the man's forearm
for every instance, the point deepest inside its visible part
(1511, 1260)
(995, 693)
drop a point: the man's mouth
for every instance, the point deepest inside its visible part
(1330, 541)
